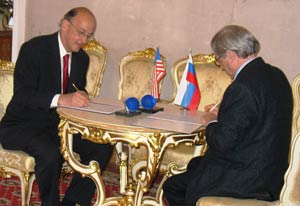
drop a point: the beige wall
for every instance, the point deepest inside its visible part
(176, 26)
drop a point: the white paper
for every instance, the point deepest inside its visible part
(182, 121)
(98, 108)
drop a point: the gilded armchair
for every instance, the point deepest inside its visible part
(136, 70)
(290, 192)
(98, 59)
(18, 163)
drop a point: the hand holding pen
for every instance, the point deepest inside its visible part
(211, 113)
(217, 104)
(77, 90)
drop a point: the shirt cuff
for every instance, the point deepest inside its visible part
(54, 101)
(211, 122)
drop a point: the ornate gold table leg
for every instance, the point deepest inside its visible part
(156, 147)
(66, 131)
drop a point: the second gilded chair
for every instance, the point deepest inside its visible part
(136, 70)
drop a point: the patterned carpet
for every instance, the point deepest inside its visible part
(10, 192)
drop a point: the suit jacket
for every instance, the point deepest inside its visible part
(37, 78)
(249, 145)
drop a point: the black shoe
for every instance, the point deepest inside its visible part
(66, 202)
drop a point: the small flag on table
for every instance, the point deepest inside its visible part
(158, 74)
(188, 94)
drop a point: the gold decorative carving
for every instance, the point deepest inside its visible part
(132, 190)
(6, 174)
(7, 65)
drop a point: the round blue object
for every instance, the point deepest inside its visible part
(132, 104)
(148, 102)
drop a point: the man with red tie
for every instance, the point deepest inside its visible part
(46, 68)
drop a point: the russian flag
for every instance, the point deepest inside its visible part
(188, 94)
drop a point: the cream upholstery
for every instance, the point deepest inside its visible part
(136, 69)
(20, 163)
(290, 193)
(98, 59)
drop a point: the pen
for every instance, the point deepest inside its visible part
(215, 106)
(75, 87)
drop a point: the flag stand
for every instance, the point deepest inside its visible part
(184, 108)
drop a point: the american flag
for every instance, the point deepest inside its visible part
(158, 74)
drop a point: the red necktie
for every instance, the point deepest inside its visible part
(65, 73)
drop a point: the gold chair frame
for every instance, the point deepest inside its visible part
(95, 75)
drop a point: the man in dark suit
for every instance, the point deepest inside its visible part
(31, 121)
(248, 137)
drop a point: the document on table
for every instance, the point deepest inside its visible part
(182, 121)
(100, 106)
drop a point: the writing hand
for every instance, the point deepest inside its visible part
(75, 99)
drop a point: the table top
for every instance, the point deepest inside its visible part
(121, 123)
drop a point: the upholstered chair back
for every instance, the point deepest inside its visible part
(98, 59)
(212, 80)
(136, 70)
(6, 84)
(290, 193)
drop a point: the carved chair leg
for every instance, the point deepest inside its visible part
(27, 180)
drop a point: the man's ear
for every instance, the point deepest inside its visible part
(64, 24)
(231, 54)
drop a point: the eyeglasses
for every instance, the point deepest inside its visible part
(82, 33)
(217, 60)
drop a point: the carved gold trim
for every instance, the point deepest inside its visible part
(7, 65)
(5, 173)
(155, 143)
(93, 47)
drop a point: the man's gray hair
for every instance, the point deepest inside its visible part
(234, 38)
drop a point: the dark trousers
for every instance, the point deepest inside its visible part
(180, 190)
(43, 144)
(175, 190)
